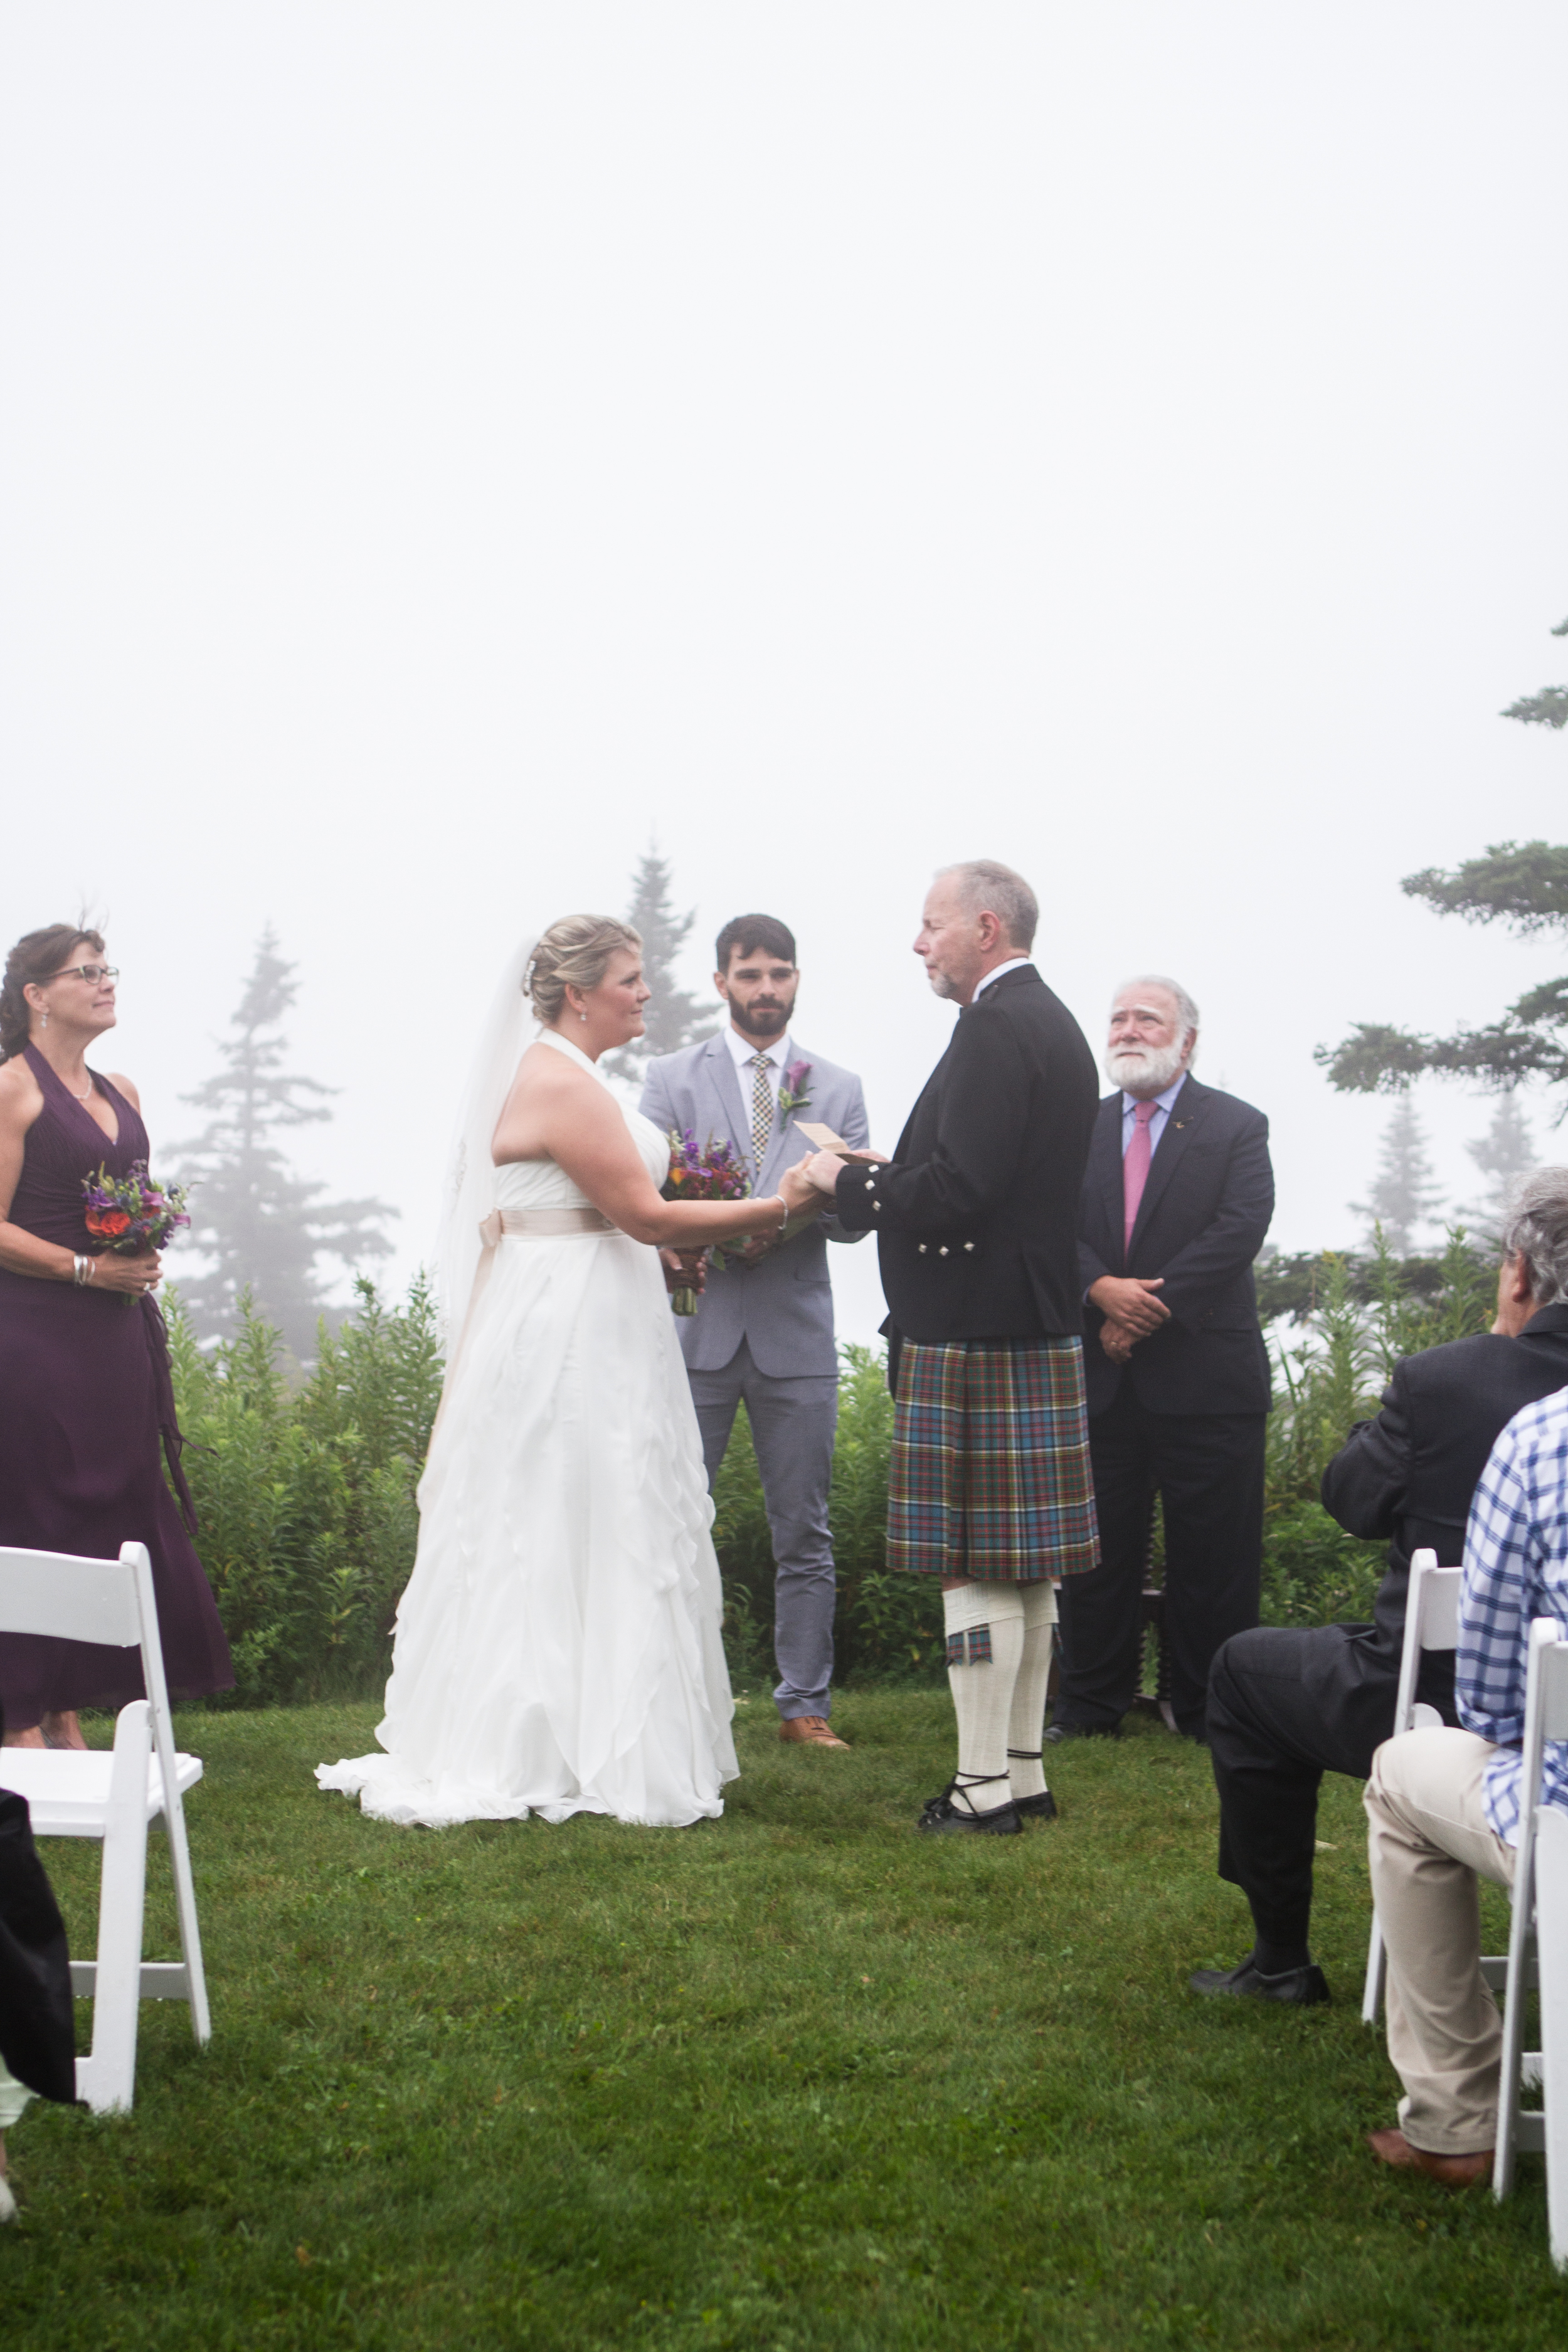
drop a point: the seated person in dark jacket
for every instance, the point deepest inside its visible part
(1287, 1705)
(37, 2024)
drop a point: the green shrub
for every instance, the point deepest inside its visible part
(306, 1492)
(1359, 1322)
(306, 1485)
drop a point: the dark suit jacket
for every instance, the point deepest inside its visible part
(976, 1212)
(1410, 1474)
(1201, 1223)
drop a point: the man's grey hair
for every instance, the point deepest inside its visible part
(984, 886)
(1536, 1229)
(1186, 1010)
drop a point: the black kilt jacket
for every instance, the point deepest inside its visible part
(1409, 1475)
(1201, 1223)
(976, 1213)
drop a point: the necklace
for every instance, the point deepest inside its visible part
(86, 1097)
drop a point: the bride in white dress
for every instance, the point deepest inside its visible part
(558, 1647)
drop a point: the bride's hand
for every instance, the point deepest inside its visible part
(798, 1187)
(684, 1269)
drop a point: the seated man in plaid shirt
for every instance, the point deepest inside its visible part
(976, 1224)
(1444, 1805)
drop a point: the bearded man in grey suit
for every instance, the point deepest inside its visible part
(763, 1333)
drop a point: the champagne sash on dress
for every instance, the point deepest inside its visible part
(541, 1225)
(516, 1224)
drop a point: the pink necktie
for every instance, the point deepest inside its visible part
(1135, 1170)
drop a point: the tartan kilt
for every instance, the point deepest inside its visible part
(990, 1474)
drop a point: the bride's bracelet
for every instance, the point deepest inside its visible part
(784, 1210)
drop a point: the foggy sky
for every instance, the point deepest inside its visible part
(444, 446)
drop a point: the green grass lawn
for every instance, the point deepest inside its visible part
(797, 2078)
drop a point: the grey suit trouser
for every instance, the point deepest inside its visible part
(793, 1424)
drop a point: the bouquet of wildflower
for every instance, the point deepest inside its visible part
(717, 1173)
(130, 1214)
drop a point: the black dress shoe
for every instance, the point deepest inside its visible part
(1298, 1988)
(1058, 1732)
(1042, 1807)
(942, 1817)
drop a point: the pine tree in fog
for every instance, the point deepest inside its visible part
(673, 1015)
(259, 1223)
(1403, 1195)
(1503, 1155)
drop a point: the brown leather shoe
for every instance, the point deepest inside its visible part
(811, 1731)
(1453, 2171)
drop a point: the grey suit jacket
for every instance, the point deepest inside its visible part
(783, 1306)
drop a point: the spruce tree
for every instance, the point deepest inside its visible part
(674, 1016)
(1521, 884)
(1403, 1195)
(260, 1225)
(1504, 1154)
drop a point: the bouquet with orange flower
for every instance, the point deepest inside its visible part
(717, 1173)
(130, 1214)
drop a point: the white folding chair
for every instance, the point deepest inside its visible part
(1540, 1916)
(1431, 1623)
(112, 1796)
(1551, 1956)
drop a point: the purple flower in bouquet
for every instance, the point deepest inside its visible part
(715, 1172)
(130, 1214)
(794, 1093)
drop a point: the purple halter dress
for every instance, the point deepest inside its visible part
(85, 1398)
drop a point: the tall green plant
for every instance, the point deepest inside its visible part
(306, 1494)
(1313, 1572)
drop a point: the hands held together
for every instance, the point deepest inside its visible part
(1131, 1311)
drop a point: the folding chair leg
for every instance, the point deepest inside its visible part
(1552, 1951)
(108, 2079)
(1376, 1971)
(185, 1907)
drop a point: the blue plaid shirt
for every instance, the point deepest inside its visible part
(1516, 1568)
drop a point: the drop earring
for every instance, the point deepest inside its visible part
(582, 1016)
(43, 1018)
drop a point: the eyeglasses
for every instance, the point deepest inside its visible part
(91, 973)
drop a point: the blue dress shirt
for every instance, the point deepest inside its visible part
(1157, 1124)
(1516, 1568)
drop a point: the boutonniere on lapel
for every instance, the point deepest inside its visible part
(795, 1089)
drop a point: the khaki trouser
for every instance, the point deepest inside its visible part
(1426, 1841)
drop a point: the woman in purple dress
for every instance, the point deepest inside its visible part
(85, 1390)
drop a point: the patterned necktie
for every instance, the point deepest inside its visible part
(762, 1109)
(1135, 1170)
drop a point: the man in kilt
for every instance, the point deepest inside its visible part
(976, 1219)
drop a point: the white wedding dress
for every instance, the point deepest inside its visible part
(558, 1647)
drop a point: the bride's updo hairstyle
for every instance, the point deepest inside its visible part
(35, 957)
(574, 953)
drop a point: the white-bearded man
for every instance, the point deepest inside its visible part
(1176, 1202)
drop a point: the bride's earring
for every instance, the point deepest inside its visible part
(582, 1016)
(43, 1018)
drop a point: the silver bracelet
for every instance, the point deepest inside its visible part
(84, 1269)
(783, 1205)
